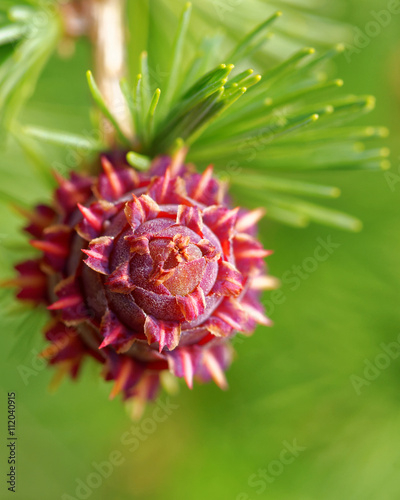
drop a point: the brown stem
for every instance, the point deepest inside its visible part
(107, 31)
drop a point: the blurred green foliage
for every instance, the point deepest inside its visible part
(290, 382)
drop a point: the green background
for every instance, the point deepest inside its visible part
(289, 382)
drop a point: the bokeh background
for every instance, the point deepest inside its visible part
(294, 381)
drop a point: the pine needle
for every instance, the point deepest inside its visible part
(138, 161)
(247, 41)
(177, 56)
(63, 138)
(99, 100)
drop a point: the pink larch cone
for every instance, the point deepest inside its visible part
(145, 272)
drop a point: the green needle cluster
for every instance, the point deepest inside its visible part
(271, 125)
